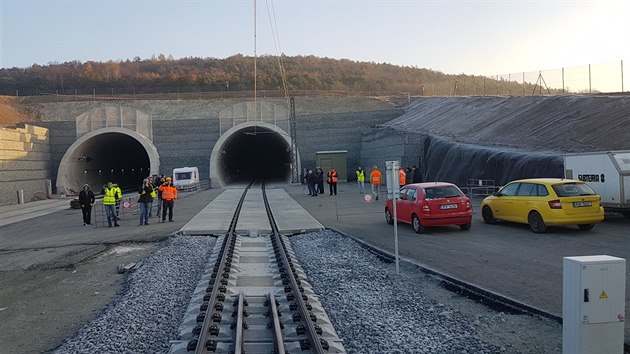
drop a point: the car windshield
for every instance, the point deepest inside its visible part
(442, 192)
(572, 189)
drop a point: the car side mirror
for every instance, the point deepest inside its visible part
(496, 194)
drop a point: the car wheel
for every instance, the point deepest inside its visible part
(465, 226)
(536, 223)
(388, 216)
(417, 225)
(586, 227)
(487, 215)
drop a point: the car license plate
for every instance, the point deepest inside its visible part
(448, 206)
(582, 204)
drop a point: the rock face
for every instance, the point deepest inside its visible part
(465, 164)
(534, 123)
(455, 139)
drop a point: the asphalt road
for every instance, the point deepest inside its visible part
(506, 258)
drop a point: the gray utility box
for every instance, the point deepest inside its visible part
(608, 173)
(593, 304)
(338, 160)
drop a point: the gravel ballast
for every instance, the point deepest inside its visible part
(373, 309)
(150, 308)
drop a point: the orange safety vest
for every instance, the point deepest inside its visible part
(402, 178)
(332, 176)
(375, 177)
(168, 192)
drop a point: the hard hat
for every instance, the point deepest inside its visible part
(168, 178)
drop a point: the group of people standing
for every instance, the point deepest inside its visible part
(375, 180)
(315, 181)
(406, 176)
(165, 194)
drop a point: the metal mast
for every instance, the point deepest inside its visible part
(255, 57)
(293, 134)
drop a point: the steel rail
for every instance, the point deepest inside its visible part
(239, 339)
(277, 328)
(311, 331)
(223, 268)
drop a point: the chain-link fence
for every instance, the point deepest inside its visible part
(612, 77)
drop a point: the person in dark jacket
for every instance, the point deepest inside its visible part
(311, 180)
(86, 199)
(145, 200)
(417, 175)
(409, 175)
(159, 180)
(320, 180)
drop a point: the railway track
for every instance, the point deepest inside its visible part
(255, 298)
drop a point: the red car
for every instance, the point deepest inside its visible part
(430, 204)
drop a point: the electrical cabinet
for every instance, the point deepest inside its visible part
(593, 308)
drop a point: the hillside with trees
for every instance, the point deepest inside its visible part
(164, 74)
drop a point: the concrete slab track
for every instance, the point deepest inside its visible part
(216, 217)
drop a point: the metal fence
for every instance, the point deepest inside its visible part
(611, 77)
(479, 188)
(194, 187)
(174, 93)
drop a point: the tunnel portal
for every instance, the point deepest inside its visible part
(117, 156)
(251, 151)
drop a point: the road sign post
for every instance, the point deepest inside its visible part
(393, 192)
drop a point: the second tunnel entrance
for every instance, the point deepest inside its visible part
(251, 151)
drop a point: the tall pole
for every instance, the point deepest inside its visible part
(590, 90)
(255, 57)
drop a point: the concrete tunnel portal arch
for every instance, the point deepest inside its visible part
(109, 154)
(252, 150)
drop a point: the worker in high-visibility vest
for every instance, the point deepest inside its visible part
(169, 194)
(361, 179)
(332, 181)
(375, 180)
(110, 195)
(402, 178)
(118, 192)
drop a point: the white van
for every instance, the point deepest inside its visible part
(607, 172)
(185, 176)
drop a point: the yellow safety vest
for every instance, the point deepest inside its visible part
(109, 197)
(361, 176)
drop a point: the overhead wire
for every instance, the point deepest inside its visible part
(276, 41)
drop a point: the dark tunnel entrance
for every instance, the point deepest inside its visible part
(109, 156)
(254, 152)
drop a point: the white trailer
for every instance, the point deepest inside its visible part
(185, 176)
(608, 173)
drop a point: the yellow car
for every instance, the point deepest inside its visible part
(542, 202)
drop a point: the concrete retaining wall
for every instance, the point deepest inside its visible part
(185, 143)
(338, 131)
(385, 144)
(189, 142)
(25, 161)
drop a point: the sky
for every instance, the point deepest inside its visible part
(471, 37)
